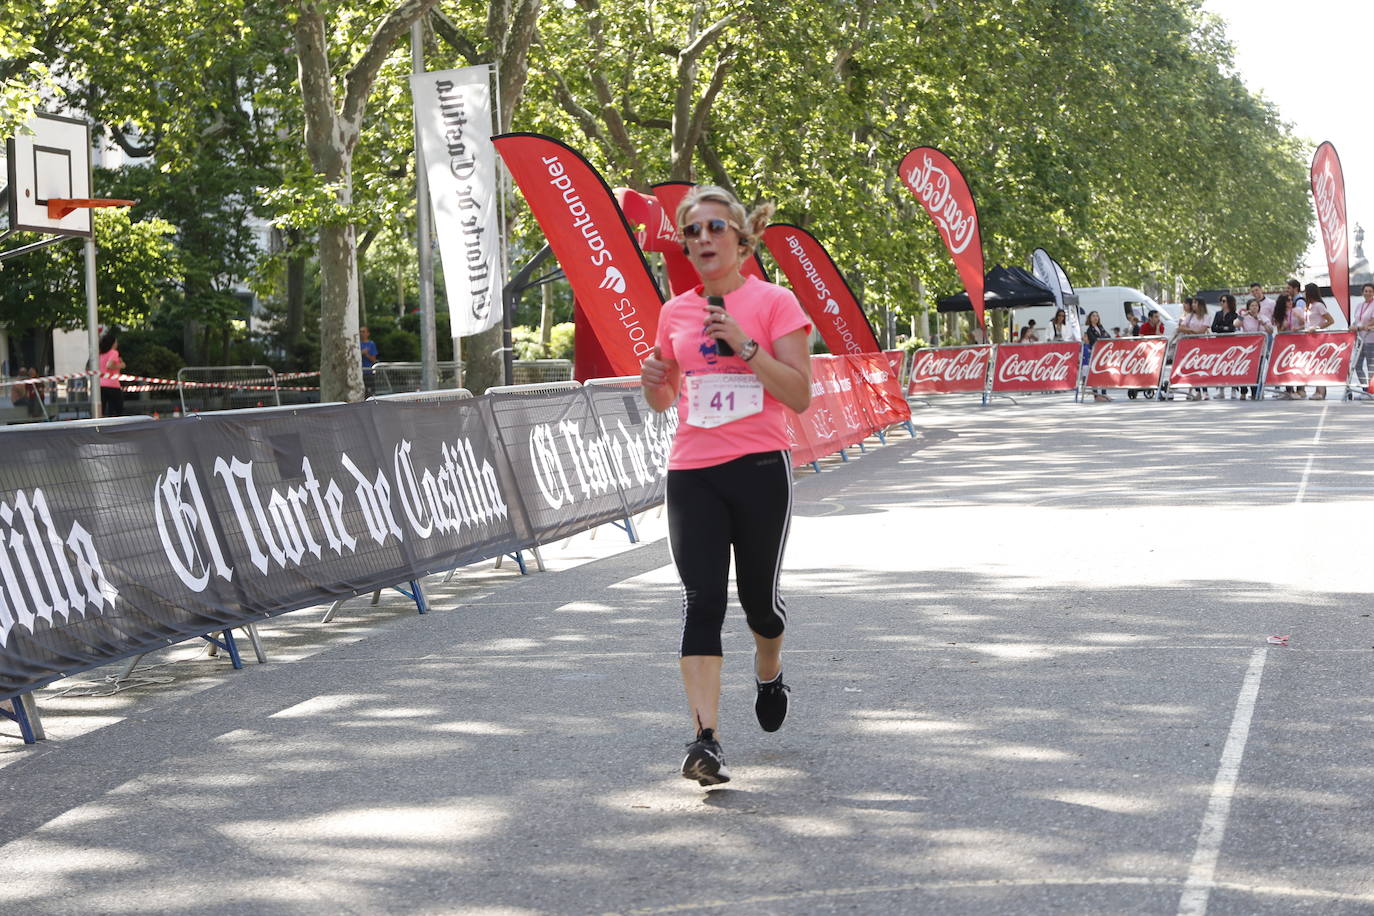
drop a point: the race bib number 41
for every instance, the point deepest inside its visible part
(714, 400)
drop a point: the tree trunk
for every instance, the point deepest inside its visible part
(341, 368)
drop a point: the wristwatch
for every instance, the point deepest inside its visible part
(748, 349)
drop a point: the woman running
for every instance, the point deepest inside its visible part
(732, 354)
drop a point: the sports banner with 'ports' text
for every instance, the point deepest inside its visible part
(593, 243)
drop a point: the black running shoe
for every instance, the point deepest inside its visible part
(771, 704)
(705, 761)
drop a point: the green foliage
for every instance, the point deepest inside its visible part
(1112, 132)
(144, 356)
(561, 341)
(137, 267)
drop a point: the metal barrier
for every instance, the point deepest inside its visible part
(537, 386)
(535, 371)
(427, 397)
(215, 388)
(398, 378)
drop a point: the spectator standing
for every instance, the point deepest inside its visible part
(1091, 335)
(1153, 325)
(1057, 326)
(1266, 305)
(1224, 322)
(111, 392)
(1133, 329)
(1193, 322)
(1283, 315)
(368, 349)
(1362, 322)
(1318, 318)
(1252, 322)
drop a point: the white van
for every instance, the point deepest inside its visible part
(1110, 302)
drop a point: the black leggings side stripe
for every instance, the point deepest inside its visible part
(743, 504)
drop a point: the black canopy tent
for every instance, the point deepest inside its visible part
(1004, 288)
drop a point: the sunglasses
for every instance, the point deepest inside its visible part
(716, 226)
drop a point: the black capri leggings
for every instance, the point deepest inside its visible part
(745, 504)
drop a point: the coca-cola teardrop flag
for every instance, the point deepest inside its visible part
(940, 187)
(1328, 193)
(821, 289)
(593, 243)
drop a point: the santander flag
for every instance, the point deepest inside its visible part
(940, 187)
(1328, 192)
(821, 289)
(593, 244)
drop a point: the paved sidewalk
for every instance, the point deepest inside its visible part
(1019, 646)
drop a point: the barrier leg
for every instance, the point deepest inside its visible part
(376, 597)
(252, 631)
(844, 456)
(816, 466)
(911, 430)
(538, 559)
(19, 712)
(415, 594)
(628, 526)
(333, 609)
(228, 644)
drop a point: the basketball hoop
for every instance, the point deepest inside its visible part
(58, 207)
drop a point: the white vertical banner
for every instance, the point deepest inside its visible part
(453, 118)
(1047, 270)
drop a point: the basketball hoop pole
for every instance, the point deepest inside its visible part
(60, 207)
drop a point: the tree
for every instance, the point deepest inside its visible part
(136, 274)
(333, 126)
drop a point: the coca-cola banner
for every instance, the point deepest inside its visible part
(1226, 359)
(947, 370)
(821, 290)
(1037, 367)
(940, 187)
(1328, 193)
(1313, 358)
(593, 244)
(1127, 362)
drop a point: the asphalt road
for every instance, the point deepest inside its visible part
(1031, 675)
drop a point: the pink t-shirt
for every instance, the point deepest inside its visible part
(1364, 310)
(1315, 313)
(1250, 323)
(1195, 323)
(1296, 318)
(765, 312)
(109, 356)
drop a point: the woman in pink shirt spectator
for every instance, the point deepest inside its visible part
(1194, 321)
(1362, 323)
(1318, 318)
(111, 392)
(1252, 321)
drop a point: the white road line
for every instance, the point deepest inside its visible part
(1307, 470)
(1202, 873)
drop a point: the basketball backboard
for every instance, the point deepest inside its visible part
(51, 159)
